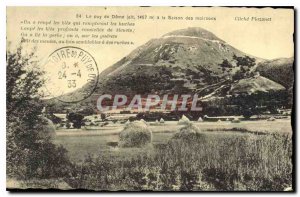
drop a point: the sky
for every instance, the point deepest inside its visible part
(265, 39)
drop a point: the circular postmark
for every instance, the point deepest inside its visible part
(71, 74)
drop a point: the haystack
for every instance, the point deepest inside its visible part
(135, 134)
(48, 128)
(236, 120)
(187, 131)
(184, 120)
(271, 119)
(144, 121)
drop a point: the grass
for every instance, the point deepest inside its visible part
(80, 143)
(222, 157)
(232, 160)
(81, 146)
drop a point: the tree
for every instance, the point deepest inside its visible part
(226, 64)
(103, 116)
(76, 119)
(245, 64)
(29, 152)
(238, 75)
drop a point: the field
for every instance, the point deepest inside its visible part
(81, 143)
(223, 156)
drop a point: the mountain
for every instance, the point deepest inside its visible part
(178, 62)
(191, 60)
(278, 70)
(255, 84)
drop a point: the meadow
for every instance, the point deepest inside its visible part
(80, 142)
(222, 157)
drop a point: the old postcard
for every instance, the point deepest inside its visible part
(150, 98)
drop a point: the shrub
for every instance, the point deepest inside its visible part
(135, 134)
(29, 151)
(48, 129)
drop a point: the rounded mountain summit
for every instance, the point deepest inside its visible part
(191, 60)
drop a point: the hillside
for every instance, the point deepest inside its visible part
(191, 60)
(255, 84)
(278, 70)
(180, 61)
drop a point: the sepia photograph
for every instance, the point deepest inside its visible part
(150, 99)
